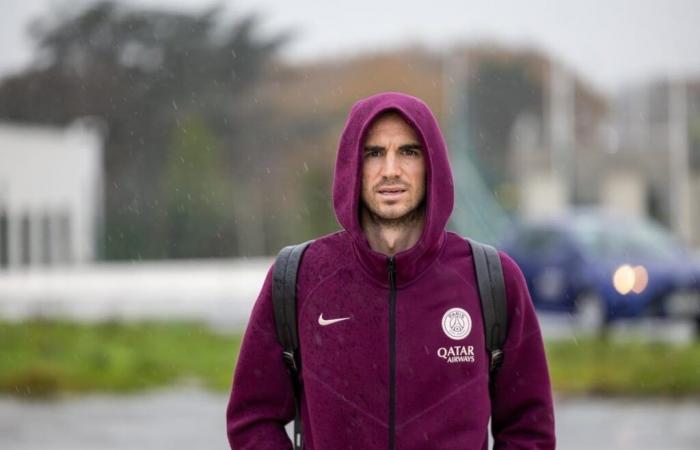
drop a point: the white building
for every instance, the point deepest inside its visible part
(51, 194)
(657, 125)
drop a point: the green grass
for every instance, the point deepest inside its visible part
(633, 368)
(43, 358)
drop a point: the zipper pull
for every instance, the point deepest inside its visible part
(392, 270)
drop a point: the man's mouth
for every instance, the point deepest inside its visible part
(391, 191)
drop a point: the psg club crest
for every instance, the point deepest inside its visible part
(456, 323)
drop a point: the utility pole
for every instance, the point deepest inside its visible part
(678, 158)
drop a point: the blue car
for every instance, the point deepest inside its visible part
(601, 268)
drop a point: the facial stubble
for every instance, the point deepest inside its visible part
(409, 219)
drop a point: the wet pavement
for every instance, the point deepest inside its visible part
(628, 424)
(190, 418)
(170, 419)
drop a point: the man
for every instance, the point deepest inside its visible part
(389, 316)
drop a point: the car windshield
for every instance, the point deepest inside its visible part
(626, 239)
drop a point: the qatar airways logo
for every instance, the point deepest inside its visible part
(457, 354)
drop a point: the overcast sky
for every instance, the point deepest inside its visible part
(610, 43)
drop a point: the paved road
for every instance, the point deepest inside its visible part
(186, 419)
(628, 424)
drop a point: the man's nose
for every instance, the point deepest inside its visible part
(392, 166)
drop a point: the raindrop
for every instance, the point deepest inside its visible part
(306, 167)
(174, 105)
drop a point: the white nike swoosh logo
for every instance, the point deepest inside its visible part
(323, 322)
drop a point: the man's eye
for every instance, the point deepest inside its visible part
(372, 153)
(410, 152)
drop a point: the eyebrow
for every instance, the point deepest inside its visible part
(370, 148)
(411, 147)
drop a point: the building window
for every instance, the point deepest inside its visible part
(25, 241)
(46, 239)
(4, 241)
(64, 239)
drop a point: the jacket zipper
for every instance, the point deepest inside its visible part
(392, 353)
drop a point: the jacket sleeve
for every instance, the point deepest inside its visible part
(262, 398)
(522, 410)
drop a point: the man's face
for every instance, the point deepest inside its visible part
(393, 169)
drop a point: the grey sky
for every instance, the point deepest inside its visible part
(609, 43)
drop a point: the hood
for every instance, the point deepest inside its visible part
(439, 186)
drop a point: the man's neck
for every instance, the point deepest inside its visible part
(389, 237)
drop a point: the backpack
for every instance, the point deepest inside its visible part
(489, 275)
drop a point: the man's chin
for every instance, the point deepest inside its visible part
(398, 216)
(390, 213)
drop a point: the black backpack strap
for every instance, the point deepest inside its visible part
(284, 284)
(492, 290)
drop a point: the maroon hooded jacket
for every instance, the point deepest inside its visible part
(396, 374)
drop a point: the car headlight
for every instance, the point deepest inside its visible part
(627, 279)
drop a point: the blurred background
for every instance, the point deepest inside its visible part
(155, 156)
